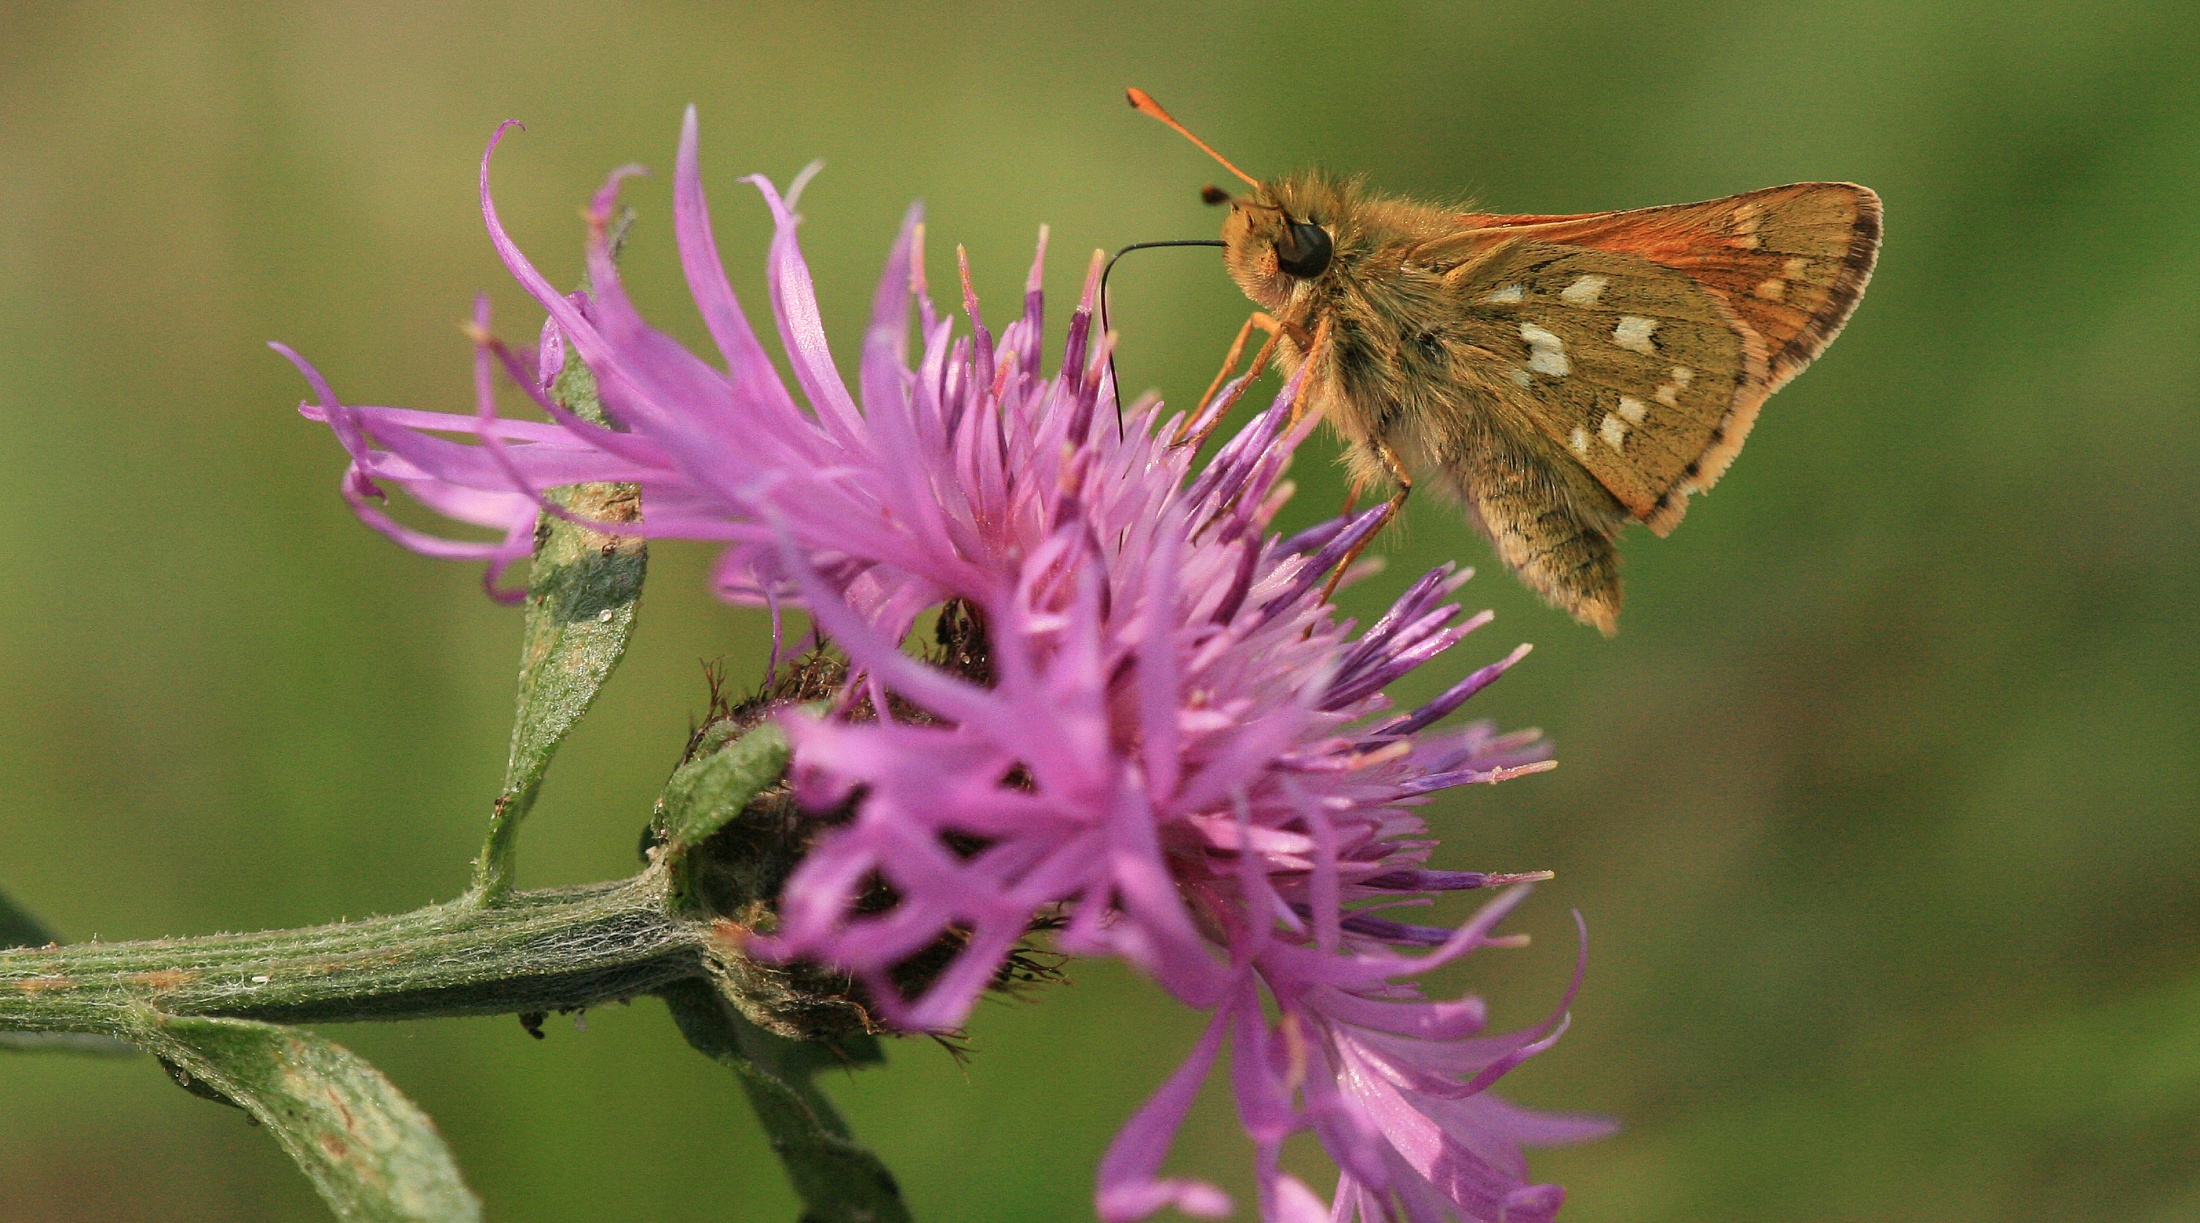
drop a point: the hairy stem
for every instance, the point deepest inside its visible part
(557, 949)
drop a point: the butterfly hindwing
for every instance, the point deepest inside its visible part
(1633, 367)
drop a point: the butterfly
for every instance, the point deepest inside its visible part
(1562, 376)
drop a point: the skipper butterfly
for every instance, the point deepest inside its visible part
(1561, 375)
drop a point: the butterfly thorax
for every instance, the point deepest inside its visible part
(1388, 347)
(1401, 368)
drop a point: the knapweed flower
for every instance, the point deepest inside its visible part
(1184, 760)
(1176, 753)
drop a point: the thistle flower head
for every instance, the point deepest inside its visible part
(1176, 753)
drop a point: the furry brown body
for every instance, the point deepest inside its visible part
(1560, 376)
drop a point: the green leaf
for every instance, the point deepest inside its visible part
(581, 603)
(582, 595)
(709, 790)
(371, 1152)
(838, 1180)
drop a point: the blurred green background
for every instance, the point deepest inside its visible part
(1881, 809)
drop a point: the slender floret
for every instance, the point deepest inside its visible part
(1175, 752)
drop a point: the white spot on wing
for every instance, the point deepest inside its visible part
(1746, 219)
(1771, 290)
(1633, 409)
(1546, 352)
(1580, 442)
(1505, 296)
(1613, 431)
(1670, 393)
(1633, 333)
(1795, 267)
(1585, 291)
(1520, 377)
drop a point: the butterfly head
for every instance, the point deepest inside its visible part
(1274, 242)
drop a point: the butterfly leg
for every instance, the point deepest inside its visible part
(1398, 476)
(1237, 351)
(1209, 414)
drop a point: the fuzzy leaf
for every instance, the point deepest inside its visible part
(581, 602)
(582, 594)
(709, 790)
(838, 1180)
(375, 1157)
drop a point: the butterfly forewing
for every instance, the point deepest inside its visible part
(1791, 260)
(1633, 367)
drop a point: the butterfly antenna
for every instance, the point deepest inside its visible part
(1144, 104)
(1115, 387)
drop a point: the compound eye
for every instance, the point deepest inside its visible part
(1305, 251)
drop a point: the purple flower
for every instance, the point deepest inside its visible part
(1185, 761)
(1180, 756)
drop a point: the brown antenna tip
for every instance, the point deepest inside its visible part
(1143, 103)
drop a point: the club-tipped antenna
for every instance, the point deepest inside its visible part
(1144, 104)
(1115, 386)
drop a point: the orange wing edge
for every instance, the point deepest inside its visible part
(1781, 367)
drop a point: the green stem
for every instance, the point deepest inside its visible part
(497, 866)
(558, 949)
